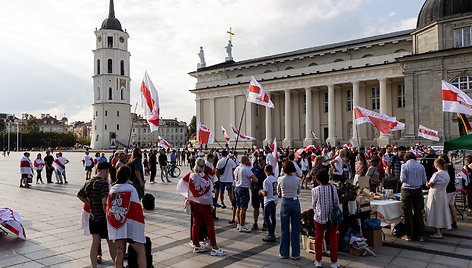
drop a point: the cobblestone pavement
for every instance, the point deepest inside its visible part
(51, 213)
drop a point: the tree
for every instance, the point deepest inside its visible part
(29, 124)
(2, 125)
(192, 128)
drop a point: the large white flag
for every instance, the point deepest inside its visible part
(225, 134)
(150, 102)
(398, 126)
(427, 133)
(382, 122)
(256, 94)
(163, 143)
(273, 149)
(454, 100)
(204, 134)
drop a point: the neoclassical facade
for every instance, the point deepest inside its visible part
(173, 131)
(398, 74)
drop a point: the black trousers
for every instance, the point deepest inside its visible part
(153, 173)
(49, 174)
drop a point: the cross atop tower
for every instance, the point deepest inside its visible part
(230, 34)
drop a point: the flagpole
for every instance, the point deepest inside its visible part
(357, 133)
(240, 123)
(132, 123)
(219, 144)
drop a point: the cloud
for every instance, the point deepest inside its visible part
(388, 27)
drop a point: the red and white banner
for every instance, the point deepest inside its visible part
(225, 134)
(273, 149)
(38, 164)
(26, 167)
(150, 102)
(427, 133)
(257, 149)
(465, 175)
(347, 145)
(11, 220)
(454, 100)
(60, 163)
(163, 143)
(196, 187)
(398, 126)
(382, 122)
(314, 135)
(241, 136)
(204, 134)
(124, 214)
(256, 94)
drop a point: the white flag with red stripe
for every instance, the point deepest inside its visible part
(427, 133)
(225, 134)
(397, 126)
(11, 220)
(382, 122)
(256, 94)
(257, 149)
(124, 214)
(241, 136)
(465, 175)
(26, 167)
(204, 134)
(163, 143)
(150, 102)
(273, 149)
(314, 135)
(455, 100)
(195, 187)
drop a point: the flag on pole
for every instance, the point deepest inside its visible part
(465, 175)
(150, 102)
(225, 134)
(273, 149)
(398, 126)
(257, 149)
(427, 133)
(454, 100)
(382, 122)
(241, 136)
(314, 135)
(256, 94)
(464, 126)
(204, 134)
(163, 143)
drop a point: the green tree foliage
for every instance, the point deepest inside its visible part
(193, 126)
(2, 125)
(42, 140)
(29, 124)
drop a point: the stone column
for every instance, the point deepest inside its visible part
(356, 102)
(288, 118)
(268, 124)
(199, 110)
(384, 139)
(308, 118)
(232, 117)
(211, 124)
(331, 116)
(249, 121)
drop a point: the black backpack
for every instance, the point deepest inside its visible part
(133, 257)
(398, 229)
(149, 202)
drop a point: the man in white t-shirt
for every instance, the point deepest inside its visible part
(224, 170)
(243, 177)
(271, 197)
(270, 159)
(337, 166)
(88, 162)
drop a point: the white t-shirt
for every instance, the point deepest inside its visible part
(201, 154)
(297, 173)
(88, 160)
(242, 176)
(339, 165)
(304, 163)
(227, 176)
(270, 160)
(270, 186)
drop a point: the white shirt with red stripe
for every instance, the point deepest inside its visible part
(210, 171)
(26, 167)
(124, 214)
(60, 163)
(38, 164)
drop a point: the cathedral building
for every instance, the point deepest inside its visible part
(111, 122)
(314, 89)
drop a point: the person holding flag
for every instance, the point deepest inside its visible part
(60, 166)
(38, 166)
(26, 169)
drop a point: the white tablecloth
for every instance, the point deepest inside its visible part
(390, 209)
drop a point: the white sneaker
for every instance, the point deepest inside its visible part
(217, 252)
(191, 244)
(152, 182)
(238, 226)
(244, 229)
(335, 265)
(206, 240)
(199, 249)
(318, 264)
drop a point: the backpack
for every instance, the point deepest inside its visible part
(149, 202)
(336, 215)
(398, 229)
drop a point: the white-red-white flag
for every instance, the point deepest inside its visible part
(273, 150)
(314, 135)
(225, 134)
(204, 134)
(257, 149)
(150, 102)
(11, 220)
(382, 122)
(256, 94)
(163, 143)
(455, 100)
(427, 133)
(398, 126)
(241, 136)
(465, 175)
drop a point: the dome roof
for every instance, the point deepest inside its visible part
(111, 23)
(437, 10)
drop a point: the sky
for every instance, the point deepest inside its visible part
(46, 59)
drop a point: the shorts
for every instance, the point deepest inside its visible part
(25, 176)
(242, 197)
(216, 185)
(257, 199)
(63, 173)
(451, 197)
(88, 168)
(228, 186)
(305, 172)
(99, 227)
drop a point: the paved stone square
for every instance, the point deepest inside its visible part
(51, 214)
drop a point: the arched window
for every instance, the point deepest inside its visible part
(463, 82)
(98, 66)
(122, 67)
(121, 94)
(96, 113)
(110, 94)
(106, 113)
(110, 66)
(117, 113)
(105, 127)
(118, 127)
(98, 93)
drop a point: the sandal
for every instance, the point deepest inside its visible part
(435, 236)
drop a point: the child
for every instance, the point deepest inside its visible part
(271, 197)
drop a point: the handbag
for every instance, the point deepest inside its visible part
(336, 215)
(222, 170)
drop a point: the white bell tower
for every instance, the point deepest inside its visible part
(111, 86)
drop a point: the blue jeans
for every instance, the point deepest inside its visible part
(269, 216)
(290, 215)
(242, 197)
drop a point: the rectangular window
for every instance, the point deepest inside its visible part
(257, 110)
(96, 138)
(375, 98)
(110, 41)
(118, 127)
(462, 37)
(401, 96)
(117, 113)
(349, 100)
(326, 102)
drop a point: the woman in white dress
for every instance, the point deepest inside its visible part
(437, 207)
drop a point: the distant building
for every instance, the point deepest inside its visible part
(81, 129)
(173, 131)
(10, 122)
(47, 123)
